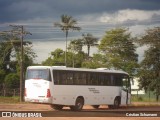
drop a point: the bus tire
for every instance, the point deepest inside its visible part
(95, 106)
(78, 104)
(116, 103)
(57, 107)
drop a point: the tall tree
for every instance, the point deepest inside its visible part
(10, 53)
(150, 66)
(119, 50)
(89, 40)
(67, 23)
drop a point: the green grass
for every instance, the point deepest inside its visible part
(14, 99)
(142, 99)
(147, 97)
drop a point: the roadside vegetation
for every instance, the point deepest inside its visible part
(116, 49)
(9, 100)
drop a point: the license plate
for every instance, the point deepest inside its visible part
(36, 100)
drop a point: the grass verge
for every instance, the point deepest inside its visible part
(11, 100)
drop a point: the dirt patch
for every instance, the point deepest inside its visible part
(145, 104)
(25, 107)
(87, 111)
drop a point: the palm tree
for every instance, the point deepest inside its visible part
(89, 40)
(67, 23)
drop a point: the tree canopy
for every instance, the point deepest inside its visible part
(10, 56)
(149, 72)
(119, 50)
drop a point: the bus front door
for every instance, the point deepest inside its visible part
(125, 92)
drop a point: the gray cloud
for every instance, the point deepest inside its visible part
(16, 10)
(94, 16)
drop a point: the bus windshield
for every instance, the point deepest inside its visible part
(38, 74)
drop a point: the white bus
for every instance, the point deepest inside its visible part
(75, 87)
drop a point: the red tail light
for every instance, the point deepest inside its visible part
(25, 92)
(48, 93)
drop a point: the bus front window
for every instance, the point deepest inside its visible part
(126, 83)
(38, 74)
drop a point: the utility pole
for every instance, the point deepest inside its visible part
(22, 72)
(19, 29)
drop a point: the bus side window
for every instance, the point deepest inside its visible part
(106, 80)
(112, 80)
(101, 79)
(118, 79)
(94, 79)
(89, 82)
(69, 78)
(80, 78)
(55, 77)
(63, 78)
(83, 80)
(49, 76)
(76, 78)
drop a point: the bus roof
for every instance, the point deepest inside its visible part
(38, 67)
(105, 70)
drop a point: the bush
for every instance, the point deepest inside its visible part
(136, 98)
(12, 81)
(140, 99)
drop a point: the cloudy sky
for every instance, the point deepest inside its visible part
(93, 16)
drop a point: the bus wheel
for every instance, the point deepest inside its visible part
(95, 106)
(116, 104)
(57, 107)
(78, 105)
